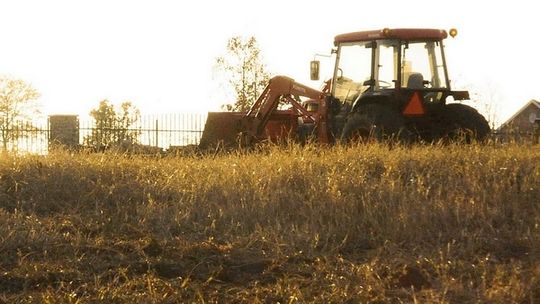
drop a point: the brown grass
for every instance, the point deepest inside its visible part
(437, 224)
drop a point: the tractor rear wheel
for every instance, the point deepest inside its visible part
(374, 122)
(464, 123)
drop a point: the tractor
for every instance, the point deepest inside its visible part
(389, 84)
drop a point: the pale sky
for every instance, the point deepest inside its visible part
(159, 54)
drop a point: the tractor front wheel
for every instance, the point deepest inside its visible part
(373, 122)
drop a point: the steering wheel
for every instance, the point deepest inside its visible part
(340, 74)
(431, 97)
(384, 84)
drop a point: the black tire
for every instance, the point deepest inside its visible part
(463, 123)
(374, 122)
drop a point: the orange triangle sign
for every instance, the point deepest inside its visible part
(414, 107)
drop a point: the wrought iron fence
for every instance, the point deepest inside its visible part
(168, 131)
(162, 131)
(30, 137)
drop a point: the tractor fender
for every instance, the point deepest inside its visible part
(363, 100)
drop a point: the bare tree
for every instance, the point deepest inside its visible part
(244, 70)
(487, 99)
(18, 103)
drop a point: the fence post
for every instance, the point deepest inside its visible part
(157, 132)
(536, 131)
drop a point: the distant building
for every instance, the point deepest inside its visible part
(524, 123)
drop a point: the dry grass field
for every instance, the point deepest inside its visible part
(366, 224)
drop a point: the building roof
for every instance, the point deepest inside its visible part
(528, 104)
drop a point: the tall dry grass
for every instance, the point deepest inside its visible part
(429, 224)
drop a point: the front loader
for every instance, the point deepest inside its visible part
(389, 84)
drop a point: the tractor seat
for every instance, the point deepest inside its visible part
(415, 81)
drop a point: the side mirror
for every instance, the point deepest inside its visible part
(314, 69)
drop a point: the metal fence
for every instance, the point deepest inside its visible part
(163, 131)
(168, 131)
(31, 137)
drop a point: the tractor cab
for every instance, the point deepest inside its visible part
(383, 62)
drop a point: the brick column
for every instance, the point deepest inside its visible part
(63, 131)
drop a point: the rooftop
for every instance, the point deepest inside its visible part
(403, 34)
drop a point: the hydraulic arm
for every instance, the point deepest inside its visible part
(284, 89)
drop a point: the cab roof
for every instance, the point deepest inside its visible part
(403, 34)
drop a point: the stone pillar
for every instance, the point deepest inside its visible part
(63, 131)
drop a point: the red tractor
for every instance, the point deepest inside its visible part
(389, 84)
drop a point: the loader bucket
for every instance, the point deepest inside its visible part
(221, 129)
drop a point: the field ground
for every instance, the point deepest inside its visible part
(378, 224)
